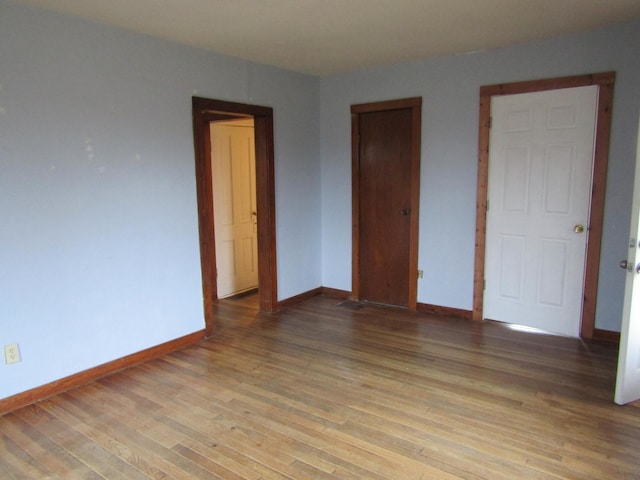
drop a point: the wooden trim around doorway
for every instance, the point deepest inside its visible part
(605, 82)
(415, 104)
(205, 111)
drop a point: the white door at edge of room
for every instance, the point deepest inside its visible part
(234, 199)
(540, 174)
(628, 378)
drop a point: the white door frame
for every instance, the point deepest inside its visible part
(605, 82)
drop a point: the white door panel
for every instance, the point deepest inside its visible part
(551, 268)
(234, 195)
(540, 169)
(628, 378)
(512, 266)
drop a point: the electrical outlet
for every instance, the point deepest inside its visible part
(11, 353)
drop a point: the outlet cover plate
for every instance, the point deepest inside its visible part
(11, 353)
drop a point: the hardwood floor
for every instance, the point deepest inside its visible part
(330, 389)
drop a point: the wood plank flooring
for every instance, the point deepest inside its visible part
(335, 390)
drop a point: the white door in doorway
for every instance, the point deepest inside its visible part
(540, 174)
(628, 379)
(234, 198)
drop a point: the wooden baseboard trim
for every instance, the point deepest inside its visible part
(444, 311)
(287, 302)
(335, 293)
(606, 336)
(326, 291)
(45, 391)
(343, 295)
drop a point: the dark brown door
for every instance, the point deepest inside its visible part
(386, 179)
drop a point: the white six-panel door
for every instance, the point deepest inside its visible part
(234, 197)
(540, 170)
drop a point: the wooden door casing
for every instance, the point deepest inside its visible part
(605, 81)
(204, 111)
(385, 177)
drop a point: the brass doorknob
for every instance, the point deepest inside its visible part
(578, 228)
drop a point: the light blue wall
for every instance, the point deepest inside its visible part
(99, 253)
(449, 87)
(99, 244)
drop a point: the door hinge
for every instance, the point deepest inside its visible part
(487, 205)
(420, 274)
(484, 284)
(490, 122)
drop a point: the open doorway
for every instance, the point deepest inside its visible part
(205, 111)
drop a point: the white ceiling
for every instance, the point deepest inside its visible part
(323, 37)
